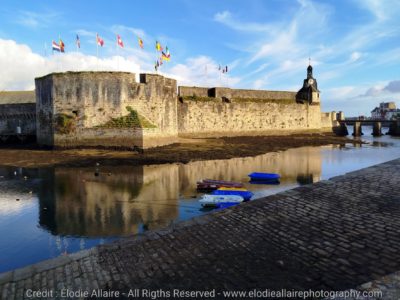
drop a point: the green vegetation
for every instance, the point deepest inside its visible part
(260, 100)
(132, 120)
(64, 124)
(197, 98)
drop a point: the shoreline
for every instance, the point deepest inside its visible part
(184, 151)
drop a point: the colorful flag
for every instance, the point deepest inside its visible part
(55, 46)
(120, 42)
(158, 46)
(160, 61)
(166, 51)
(99, 41)
(62, 46)
(140, 43)
(164, 56)
(78, 41)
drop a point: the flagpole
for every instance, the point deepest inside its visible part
(97, 51)
(116, 45)
(206, 74)
(45, 56)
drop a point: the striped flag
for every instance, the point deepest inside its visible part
(55, 47)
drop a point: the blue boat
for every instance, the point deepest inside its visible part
(264, 177)
(245, 194)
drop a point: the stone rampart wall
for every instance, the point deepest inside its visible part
(22, 115)
(189, 91)
(92, 99)
(201, 117)
(220, 92)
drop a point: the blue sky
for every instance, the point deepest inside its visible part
(354, 45)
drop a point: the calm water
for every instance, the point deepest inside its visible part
(49, 212)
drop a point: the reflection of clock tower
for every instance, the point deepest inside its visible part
(309, 93)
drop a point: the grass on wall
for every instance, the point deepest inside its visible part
(64, 124)
(132, 120)
(197, 98)
(260, 100)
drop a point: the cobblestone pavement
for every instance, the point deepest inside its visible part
(331, 235)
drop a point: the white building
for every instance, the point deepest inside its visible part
(385, 111)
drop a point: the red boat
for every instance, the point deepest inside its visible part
(211, 184)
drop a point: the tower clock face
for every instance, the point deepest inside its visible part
(310, 81)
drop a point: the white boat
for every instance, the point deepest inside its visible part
(218, 200)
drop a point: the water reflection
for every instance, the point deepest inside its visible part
(67, 209)
(126, 200)
(120, 201)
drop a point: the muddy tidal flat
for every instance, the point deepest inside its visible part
(184, 151)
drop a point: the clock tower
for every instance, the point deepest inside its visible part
(309, 93)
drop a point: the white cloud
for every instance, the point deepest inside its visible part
(226, 18)
(134, 32)
(391, 87)
(35, 20)
(201, 71)
(355, 56)
(19, 65)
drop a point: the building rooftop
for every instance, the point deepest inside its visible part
(16, 97)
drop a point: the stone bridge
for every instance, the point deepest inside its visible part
(394, 126)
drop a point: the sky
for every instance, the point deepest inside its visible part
(353, 45)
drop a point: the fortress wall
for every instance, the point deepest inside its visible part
(91, 99)
(21, 115)
(232, 94)
(252, 94)
(330, 119)
(188, 91)
(94, 97)
(326, 120)
(155, 98)
(44, 110)
(205, 117)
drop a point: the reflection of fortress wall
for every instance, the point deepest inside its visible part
(286, 163)
(81, 204)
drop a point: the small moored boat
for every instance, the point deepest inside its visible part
(220, 200)
(245, 194)
(264, 177)
(209, 185)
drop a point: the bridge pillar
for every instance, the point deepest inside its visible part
(341, 130)
(394, 128)
(357, 129)
(377, 129)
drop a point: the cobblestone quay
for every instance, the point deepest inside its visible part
(332, 235)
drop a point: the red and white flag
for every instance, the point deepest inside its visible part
(99, 41)
(120, 42)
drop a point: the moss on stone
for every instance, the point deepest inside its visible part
(197, 98)
(132, 120)
(64, 124)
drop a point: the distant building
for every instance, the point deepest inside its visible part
(386, 111)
